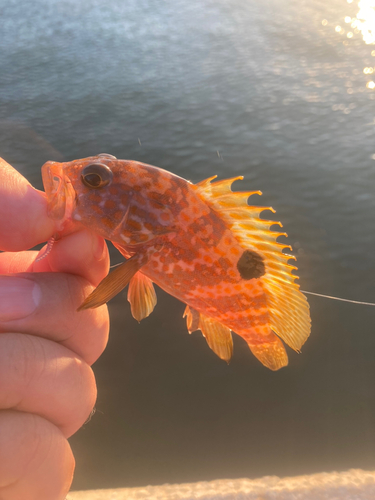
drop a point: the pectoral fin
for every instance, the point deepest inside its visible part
(112, 284)
(218, 336)
(142, 296)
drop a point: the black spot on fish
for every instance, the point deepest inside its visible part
(250, 265)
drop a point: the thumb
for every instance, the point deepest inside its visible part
(82, 253)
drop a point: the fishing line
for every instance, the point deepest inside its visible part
(318, 295)
(339, 298)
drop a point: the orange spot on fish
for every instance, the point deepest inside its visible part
(94, 197)
(108, 222)
(113, 190)
(155, 204)
(142, 237)
(134, 224)
(110, 204)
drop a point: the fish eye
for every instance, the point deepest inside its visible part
(96, 175)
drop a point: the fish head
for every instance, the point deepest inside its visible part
(86, 192)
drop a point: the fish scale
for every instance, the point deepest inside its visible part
(201, 243)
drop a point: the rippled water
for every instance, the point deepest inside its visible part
(281, 91)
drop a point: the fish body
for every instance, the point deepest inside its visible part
(201, 243)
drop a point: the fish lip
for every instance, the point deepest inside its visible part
(59, 190)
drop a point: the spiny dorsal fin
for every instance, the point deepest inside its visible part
(287, 306)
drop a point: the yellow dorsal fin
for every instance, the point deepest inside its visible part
(142, 296)
(218, 336)
(287, 306)
(206, 182)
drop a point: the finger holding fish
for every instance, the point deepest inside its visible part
(45, 305)
(47, 390)
(40, 376)
(24, 222)
(36, 460)
(81, 253)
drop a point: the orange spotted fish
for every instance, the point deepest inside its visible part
(201, 243)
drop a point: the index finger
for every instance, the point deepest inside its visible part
(23, 212)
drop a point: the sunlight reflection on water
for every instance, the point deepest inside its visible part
(361, 25)
(365, 20)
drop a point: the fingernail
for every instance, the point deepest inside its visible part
(98, 247)
(19, 297)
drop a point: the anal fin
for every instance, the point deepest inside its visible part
(270, 354)
(192, 319)
(218, 336)
(112, 284)
(142, 296)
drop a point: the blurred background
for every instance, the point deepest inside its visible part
(281, 91)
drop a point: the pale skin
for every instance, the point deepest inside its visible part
(47, 387)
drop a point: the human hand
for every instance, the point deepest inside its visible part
(47, 388)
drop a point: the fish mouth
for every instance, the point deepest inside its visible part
(59, 191)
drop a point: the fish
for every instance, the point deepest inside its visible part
(201, 243)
